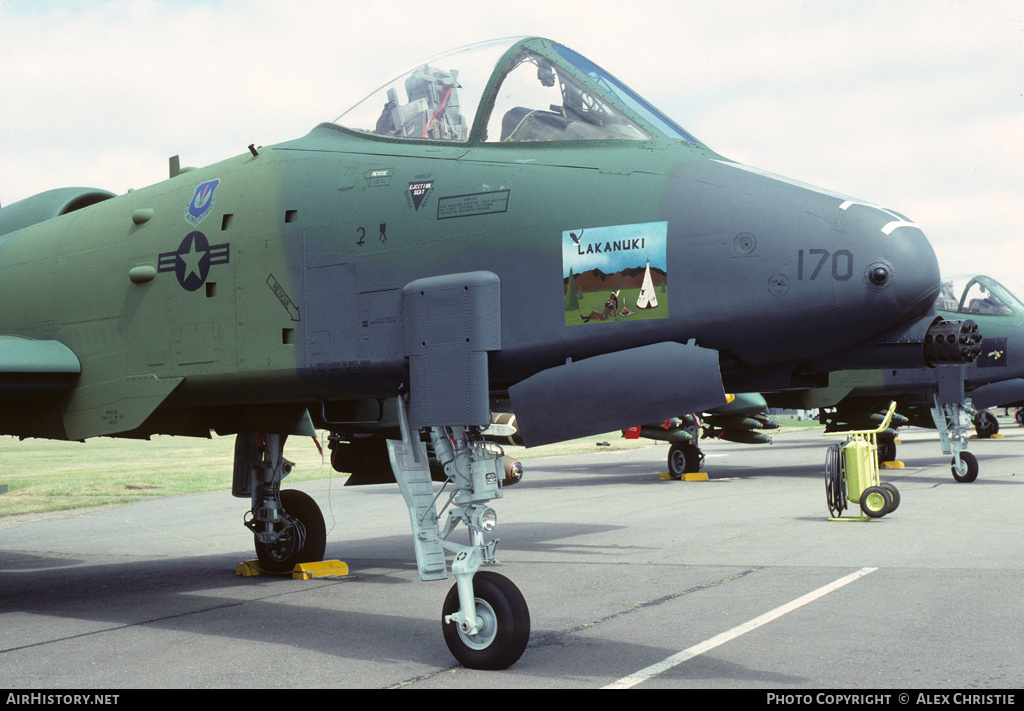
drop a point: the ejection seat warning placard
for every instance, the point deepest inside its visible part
(474, 204)
(615, 273)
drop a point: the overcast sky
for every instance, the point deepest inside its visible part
(916, 105)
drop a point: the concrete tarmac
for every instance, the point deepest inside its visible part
(741, 581)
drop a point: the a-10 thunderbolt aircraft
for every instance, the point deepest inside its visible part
(416, 256)
(940, 398)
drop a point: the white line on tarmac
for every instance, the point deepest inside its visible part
(706, 646)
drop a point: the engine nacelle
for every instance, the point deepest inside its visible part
(47, 205)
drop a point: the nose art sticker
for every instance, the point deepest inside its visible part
(615, 273)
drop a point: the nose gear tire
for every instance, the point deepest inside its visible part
(970, 463)
(505, 629)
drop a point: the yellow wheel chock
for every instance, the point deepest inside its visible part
(301, 571)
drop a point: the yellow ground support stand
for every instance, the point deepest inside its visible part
(851, 474)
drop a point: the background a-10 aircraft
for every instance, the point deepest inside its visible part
(945, 399)
(396, 275)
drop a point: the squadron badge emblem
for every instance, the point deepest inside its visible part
(202, 202)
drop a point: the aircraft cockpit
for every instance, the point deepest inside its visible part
(539, 101)
(545, 92)
(977, 295)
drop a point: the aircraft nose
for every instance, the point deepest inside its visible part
(901, 271)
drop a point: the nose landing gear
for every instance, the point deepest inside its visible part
(485, 619)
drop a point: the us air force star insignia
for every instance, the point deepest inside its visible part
(192, 260)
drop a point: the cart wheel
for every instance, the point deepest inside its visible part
(875, 502)
(970, 472)
(894, 494)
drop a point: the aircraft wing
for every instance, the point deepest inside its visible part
(37, 370)
(32, 370)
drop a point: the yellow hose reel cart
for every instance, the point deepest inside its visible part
(851, 474)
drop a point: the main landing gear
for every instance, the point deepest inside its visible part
(485, 619)
(287, 526)
(985, 424)
(684, 458)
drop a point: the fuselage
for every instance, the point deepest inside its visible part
(235, 295)
(288, 286)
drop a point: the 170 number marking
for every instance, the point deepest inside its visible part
(842, 263)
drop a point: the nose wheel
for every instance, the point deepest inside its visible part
(966, 470)
(503, 622)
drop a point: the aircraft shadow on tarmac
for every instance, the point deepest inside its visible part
(169, 594)
(156, 595)
(202, 596)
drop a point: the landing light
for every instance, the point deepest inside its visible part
(484, 519)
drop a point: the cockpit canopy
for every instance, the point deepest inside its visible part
(519, 90)
(977, 295)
